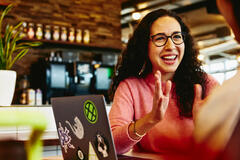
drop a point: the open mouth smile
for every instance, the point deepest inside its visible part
(169, 57)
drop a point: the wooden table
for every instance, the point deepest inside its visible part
(130, 153)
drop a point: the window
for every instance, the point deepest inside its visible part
(221, 70)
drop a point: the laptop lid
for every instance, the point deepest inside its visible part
(83, 128)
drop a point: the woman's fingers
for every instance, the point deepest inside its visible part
(158, 83)
(160, 100)
(157, 90)
(197, 93)
(197, 102)
(168, 88)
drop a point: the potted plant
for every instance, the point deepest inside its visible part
(11, 50)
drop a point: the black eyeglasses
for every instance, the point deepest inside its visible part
(161, 39)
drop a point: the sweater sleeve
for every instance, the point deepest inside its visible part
(120, 116)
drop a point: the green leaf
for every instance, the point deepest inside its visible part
(14, 39)
(17, 26)
(18, 56)
(1, 50)
(1, 46)
(9, 43)
(13, 42)
(7, 38)
(4, 13)
(25, 45)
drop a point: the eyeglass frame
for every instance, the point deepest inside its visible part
(182, 33)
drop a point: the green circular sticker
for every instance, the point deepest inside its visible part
(90, 111)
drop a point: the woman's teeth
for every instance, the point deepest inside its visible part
(169, 57)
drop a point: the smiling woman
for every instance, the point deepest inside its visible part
(154, 87)
(166, 54)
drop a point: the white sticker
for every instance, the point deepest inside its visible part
(101, 146)
(65, 139)
(77, 128)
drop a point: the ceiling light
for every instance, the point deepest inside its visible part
(97, 65)
(142, 5)
(136, 16)
(232, 34)
(127, 10)
(238, 58)
(200, 57)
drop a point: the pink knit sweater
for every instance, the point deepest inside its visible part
(132, 100)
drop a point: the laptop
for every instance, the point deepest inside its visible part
(83, 128)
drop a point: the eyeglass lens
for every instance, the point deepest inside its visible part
(161, 39)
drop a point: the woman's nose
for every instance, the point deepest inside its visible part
(169, 44)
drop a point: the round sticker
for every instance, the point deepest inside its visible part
(80, 154)
(90, 111)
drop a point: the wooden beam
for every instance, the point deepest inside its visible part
(130, 3)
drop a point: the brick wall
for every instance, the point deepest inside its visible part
(100, 17)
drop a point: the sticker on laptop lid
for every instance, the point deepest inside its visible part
(80, 154)
(65, 139)
(92, 154)
(90, 111)
(77, 127)
(101, 145)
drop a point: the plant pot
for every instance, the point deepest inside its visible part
(7, 86)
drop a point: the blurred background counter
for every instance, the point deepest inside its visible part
(50, 137)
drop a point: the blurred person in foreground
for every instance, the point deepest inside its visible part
(216, 121)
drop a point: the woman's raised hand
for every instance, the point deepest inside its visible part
(198, 100)
(160, 98)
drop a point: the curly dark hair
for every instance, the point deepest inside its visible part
(135, 55)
